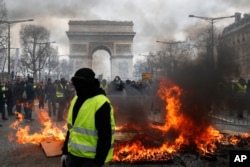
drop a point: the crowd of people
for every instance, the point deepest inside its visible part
(128, 87)
(90, 115)
(19, 97)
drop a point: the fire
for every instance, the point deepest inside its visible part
(178, 131)
(48, 131)
(147, 143)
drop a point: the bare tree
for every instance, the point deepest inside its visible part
(165, 63)
(3, 34)
(65, 68)
(36, 48)
(52, 62)
(3, 26)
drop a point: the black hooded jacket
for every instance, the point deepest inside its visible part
(102, 117)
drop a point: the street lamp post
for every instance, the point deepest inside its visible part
(9, 23)
(212, 20)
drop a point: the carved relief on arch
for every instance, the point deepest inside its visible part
(78, 48)
(123, 48)
(123, 69)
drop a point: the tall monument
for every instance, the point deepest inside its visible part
(115, 37)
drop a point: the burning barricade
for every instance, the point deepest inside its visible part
(180, 133)
(50, 136)
(150, 143)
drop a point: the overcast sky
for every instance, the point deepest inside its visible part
(153, 20)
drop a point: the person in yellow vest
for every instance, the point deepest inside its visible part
(91, 124)
(61, 89)
(240, 89)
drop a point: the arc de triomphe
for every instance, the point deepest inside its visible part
(115, 37)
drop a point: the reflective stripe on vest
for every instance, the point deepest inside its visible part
(83, 134)
(85, 131)
(59, 93)
(4, 89)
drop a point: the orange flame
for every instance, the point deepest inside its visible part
(177, 131)
(186, 132)
(49, 130)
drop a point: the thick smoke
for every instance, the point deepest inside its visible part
(198, 81)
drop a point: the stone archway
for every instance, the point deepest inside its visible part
(86, 37)
(101, 64)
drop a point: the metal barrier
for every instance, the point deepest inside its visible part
(225, 115)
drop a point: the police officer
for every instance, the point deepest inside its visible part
(91, 124)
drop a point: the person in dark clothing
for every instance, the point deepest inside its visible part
(240, 94)
(50, 91)
(116, 86)
(28, 99)
(18, 94)
(61, 91)
(90, 110)
(2, 101)
(10, 99)
(40, 95)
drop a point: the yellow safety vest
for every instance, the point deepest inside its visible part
(241, 89)
(83, 134)
(58, 92)
(4, 90)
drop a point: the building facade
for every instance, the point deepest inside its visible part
(237, 36)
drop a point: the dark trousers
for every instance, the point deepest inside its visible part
(52, 106)
(10, 107)
(73, 161)
(2, 110)
(28, 107)
(240, 106)
(62, 107)
(41, 102)
(19, 104)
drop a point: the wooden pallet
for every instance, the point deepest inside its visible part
(52, 148)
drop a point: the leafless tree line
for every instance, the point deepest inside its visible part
(37, 56)
(175, 57)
